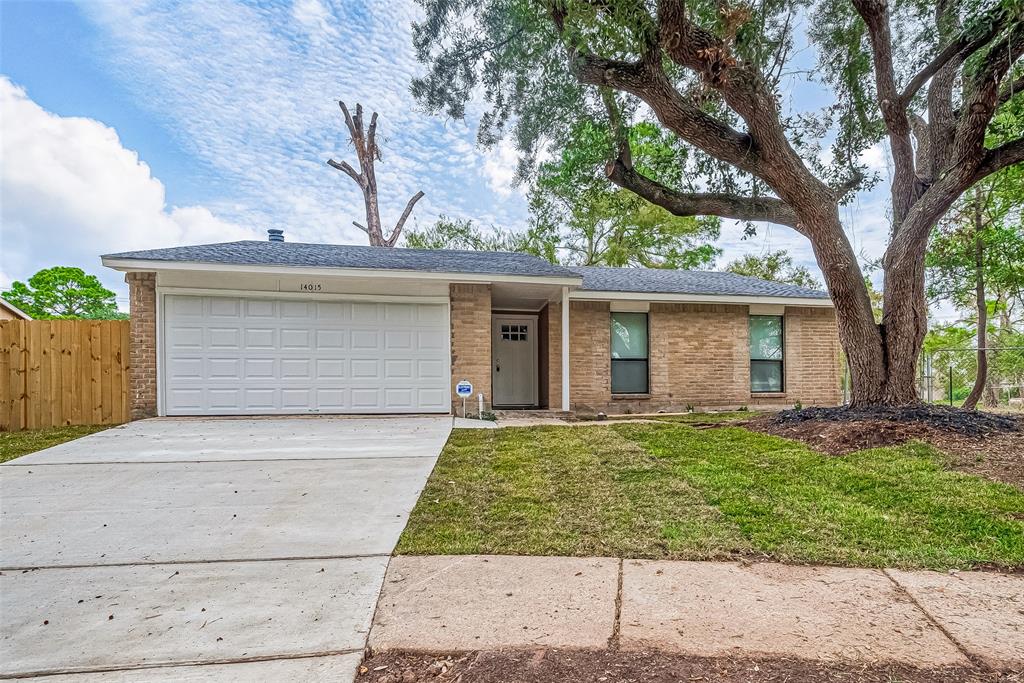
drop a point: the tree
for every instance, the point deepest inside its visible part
(456, 233)
(64, 292)
(776, 266)
(368, 152)
(976, 259)
(597, 223)
(927, 78)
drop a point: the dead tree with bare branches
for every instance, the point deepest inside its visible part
(367, 151)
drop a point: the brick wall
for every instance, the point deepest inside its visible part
(142, 355)
(471, 341)
(812, 358)
(699, 356)
(553, 378)
(589, 354)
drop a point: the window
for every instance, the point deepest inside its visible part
(629, 353)
(513, 332)
(766, 353)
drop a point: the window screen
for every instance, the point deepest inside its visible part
(629, 353)
(766, 353)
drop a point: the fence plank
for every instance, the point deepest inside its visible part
(63, 372)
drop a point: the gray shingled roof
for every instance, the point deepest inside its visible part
(350, 256)
(640, 280)
(659, 281)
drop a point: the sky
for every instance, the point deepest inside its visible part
(155, 124)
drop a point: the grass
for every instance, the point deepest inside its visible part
(16, 444)
(671, 491)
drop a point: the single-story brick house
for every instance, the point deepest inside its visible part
(275, 327)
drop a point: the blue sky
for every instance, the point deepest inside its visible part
(148, 124)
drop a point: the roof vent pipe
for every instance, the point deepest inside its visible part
(275, 235)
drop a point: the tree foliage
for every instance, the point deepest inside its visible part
(927, 78)
(597, 223)
(64, 292)
(463, 233)
(776, 266)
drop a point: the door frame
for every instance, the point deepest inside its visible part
(531, 318)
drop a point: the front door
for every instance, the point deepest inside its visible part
(514, 358)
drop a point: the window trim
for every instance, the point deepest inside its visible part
(646, 359)
(781, 361)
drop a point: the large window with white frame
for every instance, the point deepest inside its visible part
(630, 362)
(767, 346)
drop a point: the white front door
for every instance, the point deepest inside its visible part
(230, 355)
(514, 359)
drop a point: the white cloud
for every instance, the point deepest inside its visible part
(252, 92)
(71, 192)
(500, 168)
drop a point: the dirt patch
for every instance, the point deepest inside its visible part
(985, 444)
(613, 666)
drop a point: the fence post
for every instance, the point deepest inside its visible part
(951, 385)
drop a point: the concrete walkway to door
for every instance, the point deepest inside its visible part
(206, 549)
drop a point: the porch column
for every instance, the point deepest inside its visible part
(565, 349)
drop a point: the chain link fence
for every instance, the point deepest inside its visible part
(946, 375)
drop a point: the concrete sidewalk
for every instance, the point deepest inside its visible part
(829, 614)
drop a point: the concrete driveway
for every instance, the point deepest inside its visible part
(213, 549)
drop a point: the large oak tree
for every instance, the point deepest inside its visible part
(925, 77)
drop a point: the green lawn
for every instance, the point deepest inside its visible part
(672, 491)
(17, 444)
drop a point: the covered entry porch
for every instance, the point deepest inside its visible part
(507, 341)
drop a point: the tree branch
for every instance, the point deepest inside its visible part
(401, 221)
(684, 118)
(1011, 89)
(962, 46)
(361, 227)
(343, 166)
(702, 203)
(875, 14)
(1001, 157)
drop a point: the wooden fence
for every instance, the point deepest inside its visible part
(63, 372)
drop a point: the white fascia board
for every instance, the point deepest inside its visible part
(131, 265)
(588, 295)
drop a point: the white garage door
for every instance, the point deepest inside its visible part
(239, 355)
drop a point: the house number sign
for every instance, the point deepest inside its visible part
(311, 287)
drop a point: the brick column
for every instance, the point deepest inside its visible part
(471, 342)
(554, 359)
(142, 356)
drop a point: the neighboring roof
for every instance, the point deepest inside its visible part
(595, 278)
(15, 311)
(265, 253)
(705, 282)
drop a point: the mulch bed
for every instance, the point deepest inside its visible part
(977, 442)
(614, 666)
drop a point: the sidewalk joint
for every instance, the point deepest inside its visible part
(975, 661)
(155, 563)
(613, 641)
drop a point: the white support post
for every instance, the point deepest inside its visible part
(565, 349)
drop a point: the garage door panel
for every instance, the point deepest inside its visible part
(225, 355)
(223, 368)
(330, 368)
(258, 308)
(260, 368)
(296, 368)
(180, 337)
